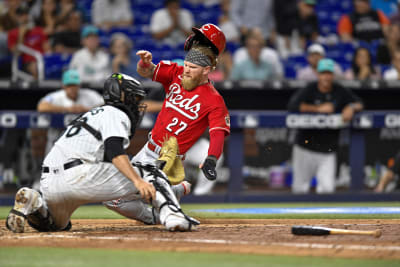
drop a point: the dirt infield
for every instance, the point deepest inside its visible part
(266, 236)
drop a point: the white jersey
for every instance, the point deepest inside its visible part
(86, 97)
(79, 143)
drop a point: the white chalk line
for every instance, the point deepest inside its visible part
(218, 241)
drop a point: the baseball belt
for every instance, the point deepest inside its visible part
(66, 166)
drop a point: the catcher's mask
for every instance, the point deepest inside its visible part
(123, 89)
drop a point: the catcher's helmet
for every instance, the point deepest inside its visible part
(209, 34)
(118, 83)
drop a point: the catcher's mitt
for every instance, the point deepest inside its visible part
(169, 161)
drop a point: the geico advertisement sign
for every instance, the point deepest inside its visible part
(392, 120)
(34, 120)
(314, 121)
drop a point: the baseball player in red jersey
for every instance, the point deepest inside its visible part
(191, 105)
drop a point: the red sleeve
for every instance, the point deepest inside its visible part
(218, 119)
(12, 38)
(164, 73)
(344, 25)
(216, 143)
(382, 18)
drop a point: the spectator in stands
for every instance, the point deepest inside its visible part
(385, 52)
(70, 99)
(48, 17)
(91, 62)
(35, 7)
(171, 24)
(251, 14)
(29, 35)
(307, 24)
(361, 66)
(123, 60)
(67, 40)
(9, 20)
(315, 53)
(287, 41)
(392, 74)
(363, 24)
(267, 54)
(254, 67)
(390, 174)
(296, 24)
(314, 152)
(65, 8)
(226, 24)
(107, 14)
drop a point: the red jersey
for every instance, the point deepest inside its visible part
(187, 114)
(34, 38)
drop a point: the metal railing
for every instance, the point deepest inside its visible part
(20, 74)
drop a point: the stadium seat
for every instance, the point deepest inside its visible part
(55, 64)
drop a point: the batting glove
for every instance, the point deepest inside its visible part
(208, 168)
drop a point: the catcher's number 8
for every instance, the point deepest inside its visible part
(174, 122)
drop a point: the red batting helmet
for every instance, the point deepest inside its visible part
(208, 34)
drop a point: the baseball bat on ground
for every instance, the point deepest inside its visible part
(313, 230)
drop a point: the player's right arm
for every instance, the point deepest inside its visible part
(145, 66)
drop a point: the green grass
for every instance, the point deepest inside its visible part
(102, 257)
(100, 212)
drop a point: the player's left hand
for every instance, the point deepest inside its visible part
(208, 168)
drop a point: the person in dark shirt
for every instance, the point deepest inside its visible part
(389, 175)
(314, 152)
(363, 24)
(68, 39)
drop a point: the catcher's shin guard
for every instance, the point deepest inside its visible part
(171, 214)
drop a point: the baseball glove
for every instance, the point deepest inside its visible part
(169, 161)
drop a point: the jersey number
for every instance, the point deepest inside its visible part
(175, 121)
(74, 130)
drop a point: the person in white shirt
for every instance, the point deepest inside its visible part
(267, 54)
(92, 63)
(315, 53)
(392, 74)
(70, 99)
(171, 24)
(108, 13)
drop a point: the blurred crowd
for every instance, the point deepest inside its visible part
(267, 39)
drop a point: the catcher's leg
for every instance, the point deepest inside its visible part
(29, 206)
(138, 210)
(171, 214)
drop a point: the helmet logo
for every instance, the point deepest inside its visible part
(206, 27)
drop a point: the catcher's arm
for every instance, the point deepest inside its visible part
(145, 66)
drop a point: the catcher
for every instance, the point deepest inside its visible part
(191, 105)
(88, 164)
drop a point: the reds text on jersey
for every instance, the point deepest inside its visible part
(187, 114)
